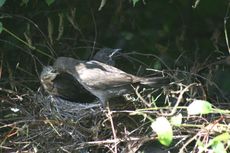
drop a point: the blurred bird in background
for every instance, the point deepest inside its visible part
(107, 56)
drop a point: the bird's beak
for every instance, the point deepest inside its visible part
(50, 76)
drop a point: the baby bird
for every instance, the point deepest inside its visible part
(64, 85)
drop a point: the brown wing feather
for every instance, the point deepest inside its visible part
(95, 74)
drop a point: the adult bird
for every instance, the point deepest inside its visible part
(64, 85)
(102, 80)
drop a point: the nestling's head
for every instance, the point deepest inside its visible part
(48, 73)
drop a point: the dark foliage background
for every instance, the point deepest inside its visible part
(167, 28)
(171, 35)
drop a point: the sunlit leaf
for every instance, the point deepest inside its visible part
(222, 137)
(2, 2)
(14, 110)
(164, 130)
(103, 2)
(199, 107)
(218, 148)
(134, 2)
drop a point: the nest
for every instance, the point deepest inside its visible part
(63, 109)
(51, 124)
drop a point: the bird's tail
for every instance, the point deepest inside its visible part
(155, 82)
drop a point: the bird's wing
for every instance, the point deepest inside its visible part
(94, 74)
(69, 88)
(99, 75)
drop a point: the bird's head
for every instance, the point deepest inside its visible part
(48, 74)
(107, 55)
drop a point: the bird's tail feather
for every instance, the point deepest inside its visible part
(155, 82)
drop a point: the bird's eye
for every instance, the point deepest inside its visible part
(54, 71)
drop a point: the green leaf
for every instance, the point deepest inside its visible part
(49, 2)
(219, 148)
(1, 27)
(2, 2)
(176, 120)
(134, 2)
(164, 130)
(222, 137)
(199, 107)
